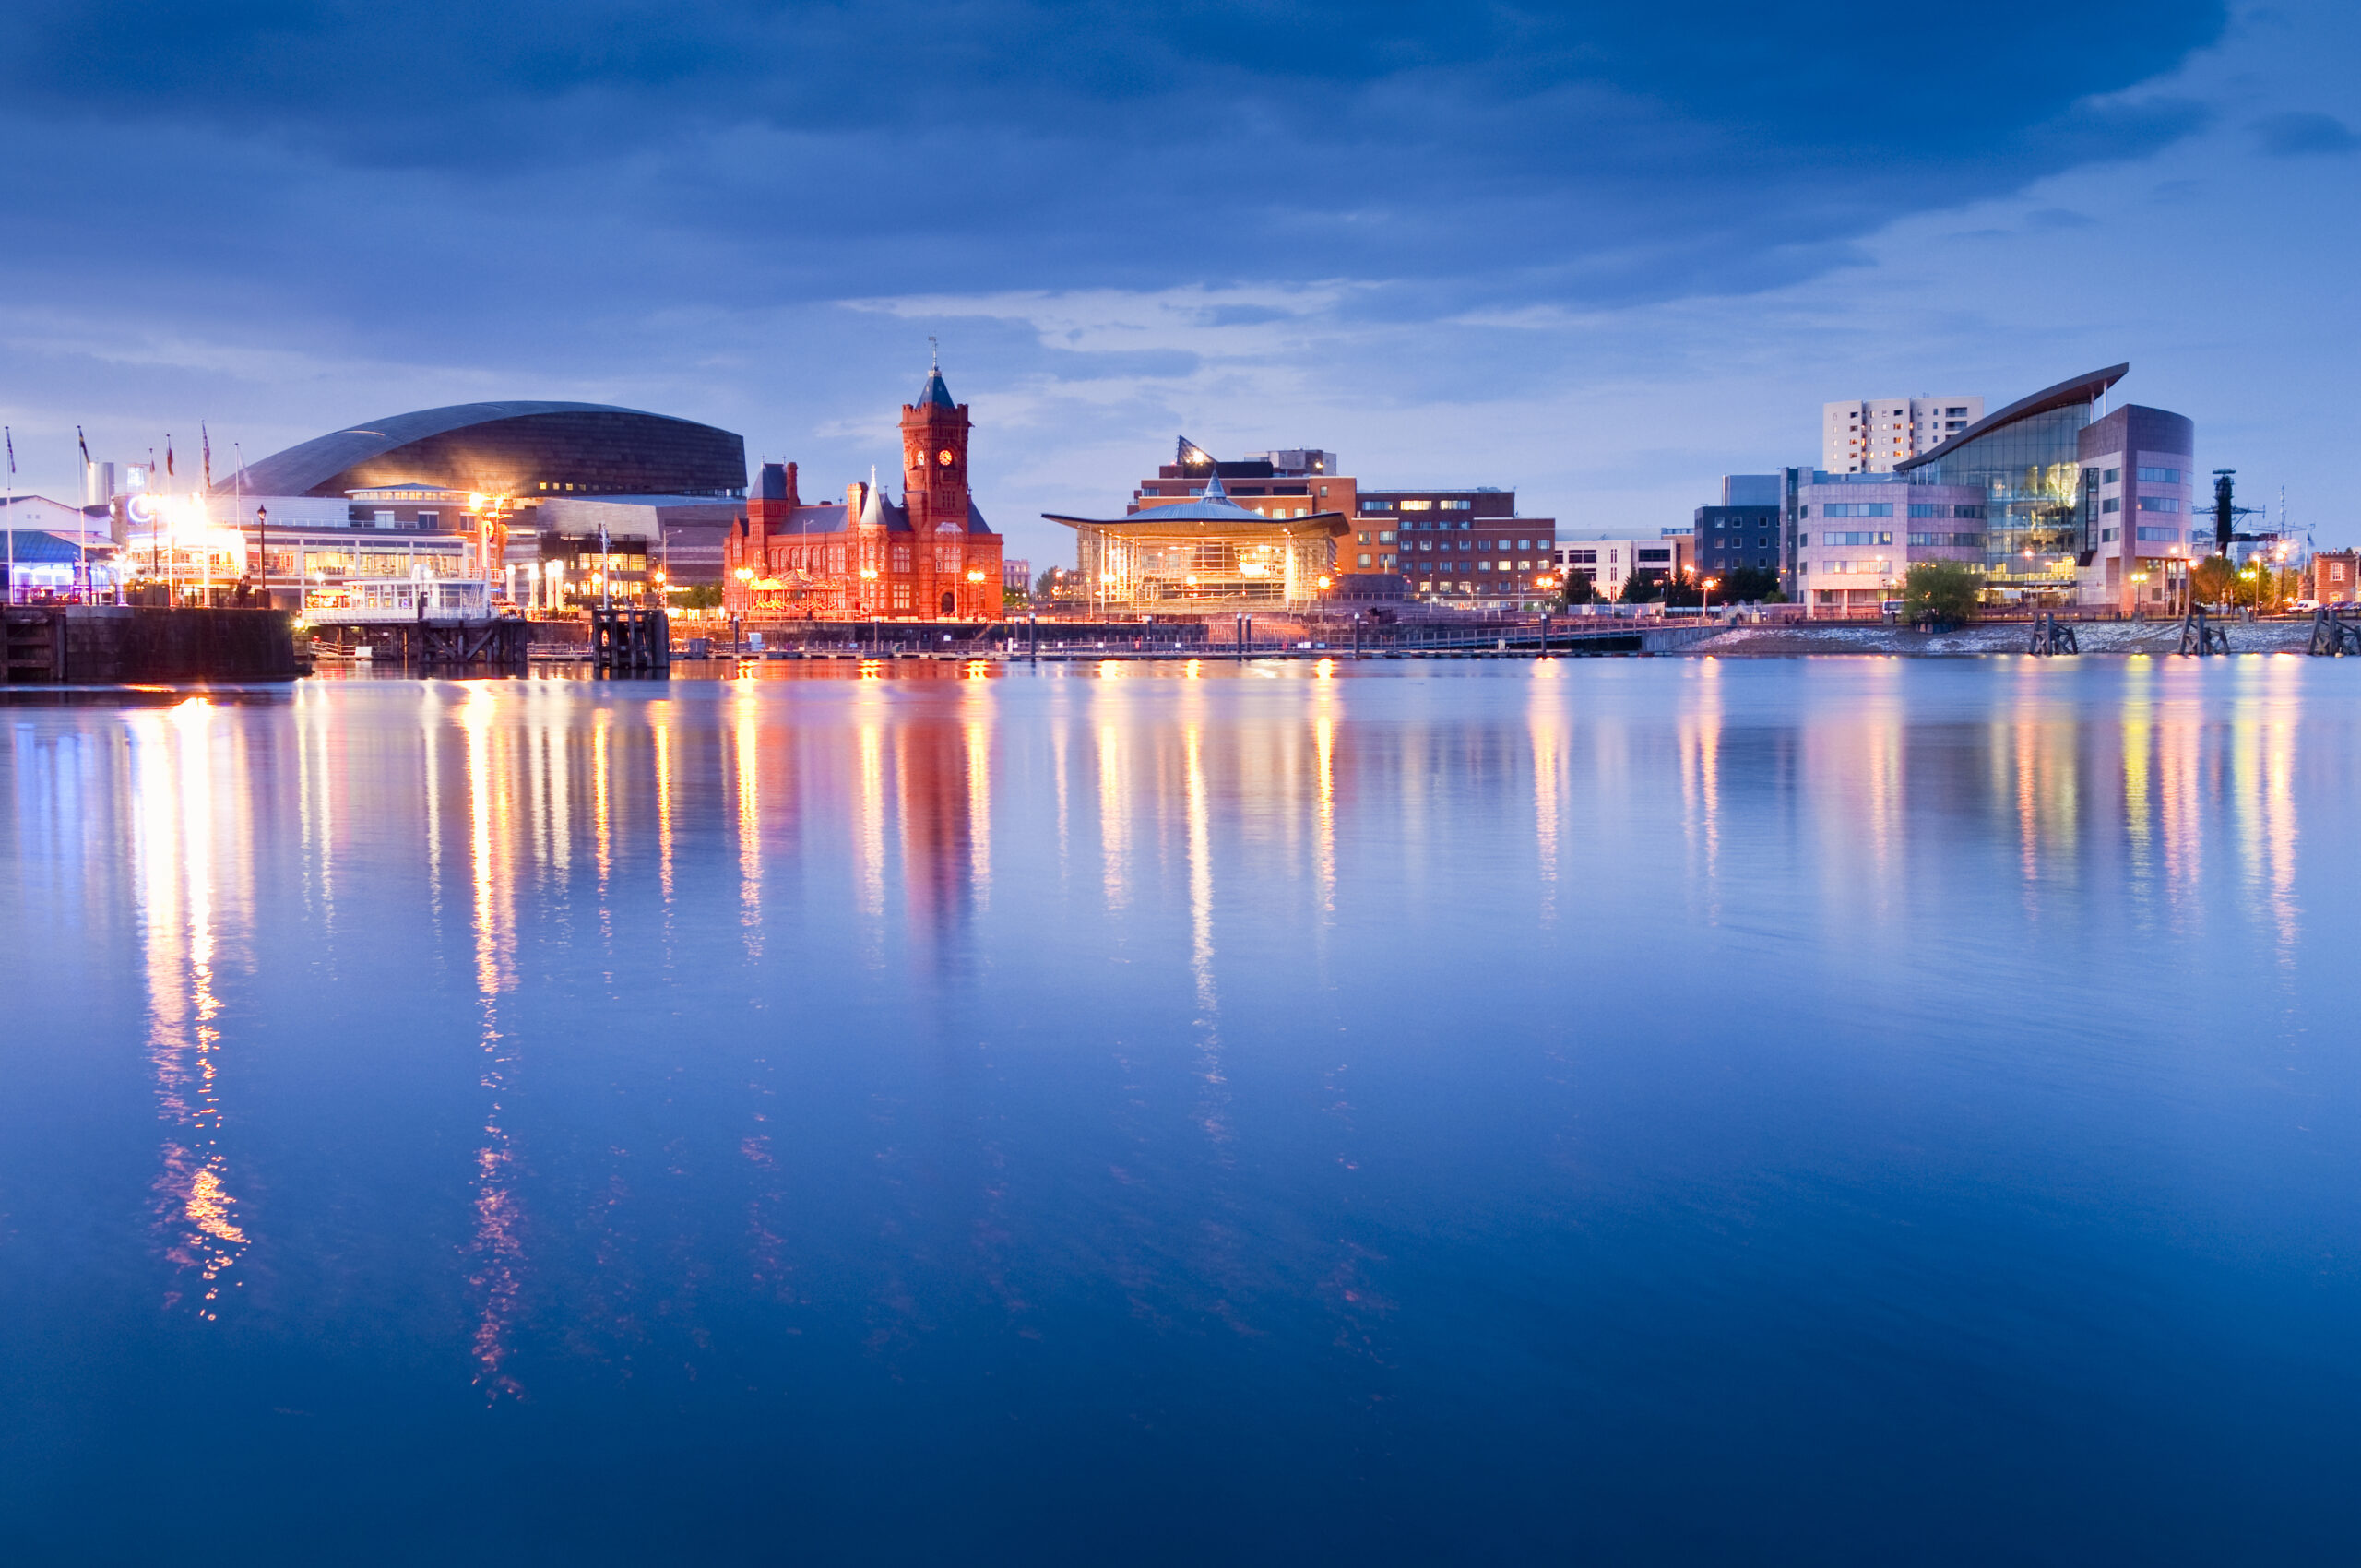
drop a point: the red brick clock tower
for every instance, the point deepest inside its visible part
(957, 570)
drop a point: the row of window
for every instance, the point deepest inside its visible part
(2160, 476)
(1416, 505)
(1843, 538)
(1949, 540)
(1855, 509)
(2160, 504)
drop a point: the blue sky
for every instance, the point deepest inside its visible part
(1602, 254)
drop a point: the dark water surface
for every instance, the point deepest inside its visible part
(1615, 1111)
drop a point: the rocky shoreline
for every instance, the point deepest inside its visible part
(2117, 637)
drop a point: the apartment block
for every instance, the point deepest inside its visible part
(1871, 437)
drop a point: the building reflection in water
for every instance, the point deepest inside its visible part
(499, 1247)
(1198, 812)
(1700, 779)
(1106, 701)
(181, 872)
(745, 731)
(692, 804)
(869, 817)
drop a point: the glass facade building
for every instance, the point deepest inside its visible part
(2025, 462)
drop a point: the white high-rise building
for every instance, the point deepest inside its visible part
(1869, 438)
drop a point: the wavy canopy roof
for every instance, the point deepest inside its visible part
(2065, 394)
(510, 448)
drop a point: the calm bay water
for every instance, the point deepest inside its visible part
(1834, 1110)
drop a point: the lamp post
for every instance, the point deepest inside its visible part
(262, 544)
(1710, 585)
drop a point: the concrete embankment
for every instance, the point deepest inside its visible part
(99, 644)
(2119, 637)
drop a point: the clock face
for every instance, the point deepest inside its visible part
(943, 456)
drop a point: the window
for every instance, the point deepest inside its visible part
(1920, 511)
(1389, 563)
(1975, 512)
(2113, 476)
(1582, 557)
(1858, 509)
(1417, 505)
(1838, 538)
(2159, 502)
(382, 519)
(901, 558)
(2111, 504)
(1364, 553)
(2160, 476)
(1385, 537)
(1361, 539)
(2159, 536)
(1455, 506)
(2108, 536)
(901, 595)
(1483, 566)
(1955, 413)
(1525, 544)
(1378, 506)
(430, 519)
(1647, 555)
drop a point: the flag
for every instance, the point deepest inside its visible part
(12, 449)
(168, 453)
(206, 437)
(84, 445)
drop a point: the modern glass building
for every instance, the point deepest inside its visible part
(2025, 461)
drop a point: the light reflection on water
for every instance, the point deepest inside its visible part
(1486, 1107)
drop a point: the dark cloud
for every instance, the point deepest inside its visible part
(2301, 133)
(727, 152)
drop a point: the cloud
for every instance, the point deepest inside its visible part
(2300, 133)
(454, 157)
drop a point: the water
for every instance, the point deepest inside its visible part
(1653, 1111)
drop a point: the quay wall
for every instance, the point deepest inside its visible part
(82, 644)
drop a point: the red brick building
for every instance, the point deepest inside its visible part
(931, 557)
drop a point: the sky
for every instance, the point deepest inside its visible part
(1599, 253)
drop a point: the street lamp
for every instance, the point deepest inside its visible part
(262, 538)
(1710, 585)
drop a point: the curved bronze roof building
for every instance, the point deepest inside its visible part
(538, 449)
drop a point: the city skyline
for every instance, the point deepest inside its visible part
(1623, 326)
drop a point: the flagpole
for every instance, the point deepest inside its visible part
(8, 510)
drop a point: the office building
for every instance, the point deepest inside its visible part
(1453, 545)
(1858, 535)
(1608, 561)
(1873, 438)
(1747, 529)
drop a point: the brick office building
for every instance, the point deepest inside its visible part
(931, 557)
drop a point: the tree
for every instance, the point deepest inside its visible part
(1641, 588)
(1045, 585)
(2211, 580)
(703, 595)
(1941, 590)
(1683, 592)
(1578, 590)
(1749, 585)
